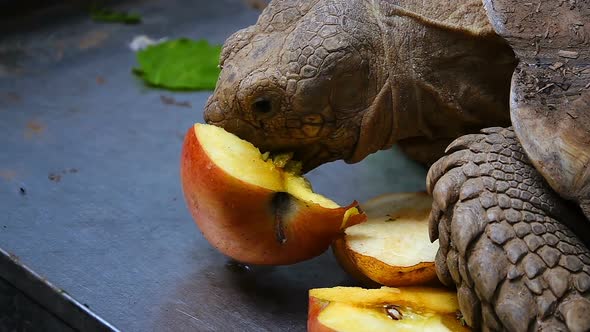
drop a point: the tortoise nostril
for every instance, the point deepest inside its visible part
(262, 106)
(214, 113)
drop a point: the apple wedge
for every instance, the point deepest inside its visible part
(253, 208)
(392, 247)
(353, 309)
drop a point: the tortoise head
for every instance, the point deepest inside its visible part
(305, 78)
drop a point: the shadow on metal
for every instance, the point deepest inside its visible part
(29, 302)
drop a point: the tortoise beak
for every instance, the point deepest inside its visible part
(213, 112)
(310, 154)
(310, 157)
(226, 119)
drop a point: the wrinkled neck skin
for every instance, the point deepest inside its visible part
(439, 83)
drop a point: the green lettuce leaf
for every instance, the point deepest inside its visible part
(181, 64)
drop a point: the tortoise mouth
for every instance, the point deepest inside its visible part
(311, 152)
(310, 155)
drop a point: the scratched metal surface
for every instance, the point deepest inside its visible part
(96, 153)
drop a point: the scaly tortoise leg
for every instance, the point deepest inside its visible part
(502, 242)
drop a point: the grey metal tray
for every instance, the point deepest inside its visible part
(96, 153)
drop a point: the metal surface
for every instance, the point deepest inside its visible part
(101, 213)
(19, 312)
(28, 302)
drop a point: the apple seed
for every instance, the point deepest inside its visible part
(394, 312)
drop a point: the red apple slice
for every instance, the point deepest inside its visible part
(252, 209)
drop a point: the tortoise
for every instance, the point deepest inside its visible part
(494, 96)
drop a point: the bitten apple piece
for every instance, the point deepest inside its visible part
(392, 247)
(353, 309)
(251, 207)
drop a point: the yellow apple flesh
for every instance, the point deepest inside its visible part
(252, 209)
(392, 247)
(353, 309)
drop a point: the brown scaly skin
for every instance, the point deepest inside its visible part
(342, 79)
(509, 243)
(503, 241)
(550, 102)
(335, 79)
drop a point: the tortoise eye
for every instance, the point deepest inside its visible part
(262, 106)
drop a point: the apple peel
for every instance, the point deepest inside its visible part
(392, 247)
(249, 208)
